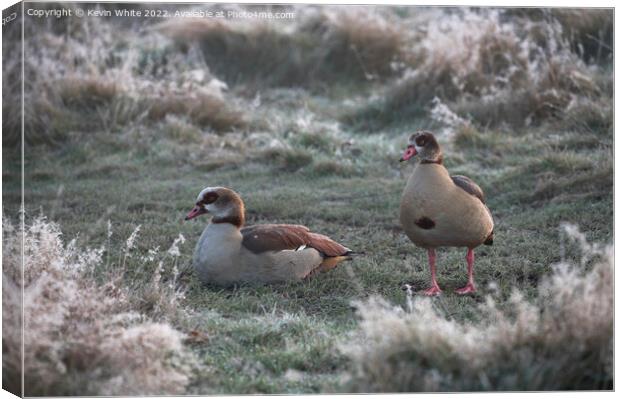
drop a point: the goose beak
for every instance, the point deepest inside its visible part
(409, 153)
(197, 211)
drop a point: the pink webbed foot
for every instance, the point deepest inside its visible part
(468, 289)
(433, 291)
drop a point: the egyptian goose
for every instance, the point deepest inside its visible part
(229, 253)
(439, 210)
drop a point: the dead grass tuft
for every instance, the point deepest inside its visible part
(563, 339)
(358, 42)
(588, 115)
(286, 159)
(81, 338)
(86, 93)
(320, 141)
(336, 44)
(178, 129)
(589, 33)
(494, 68)
(94, 77)
(202, 109)
(331, 167)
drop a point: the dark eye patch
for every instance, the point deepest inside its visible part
(210, 198)
(420, 140)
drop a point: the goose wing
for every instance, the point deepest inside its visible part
(469, 186)
(279, 237)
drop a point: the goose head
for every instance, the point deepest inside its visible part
(223, 203)
(423, 143)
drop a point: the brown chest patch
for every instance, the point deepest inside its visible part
(425, 223)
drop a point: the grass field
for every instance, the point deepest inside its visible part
(319, 146)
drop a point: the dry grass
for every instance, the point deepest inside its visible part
(588, 115)
(80, 337)
(337, 44)
(286, 159)
(203, 110)
(589, 34)
(316, 140)
(88, 92)
(92, 77)
(358, 42)
(181, 131)
(331, 167)
(563, 339)
(494, 70)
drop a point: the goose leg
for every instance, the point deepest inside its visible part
(434, 289)
(470, 287)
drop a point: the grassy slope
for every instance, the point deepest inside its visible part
(533, 180)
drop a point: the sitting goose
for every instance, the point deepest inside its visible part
(229, 253)
(439, 210)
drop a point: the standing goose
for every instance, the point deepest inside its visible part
(229, 253)
(439, 210)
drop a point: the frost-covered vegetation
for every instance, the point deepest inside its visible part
(82, 337)
(126, 120)
(560, 339)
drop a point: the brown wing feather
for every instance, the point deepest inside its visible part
(472, 188)
(468, 185)
(326, 245)
(279, 237)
